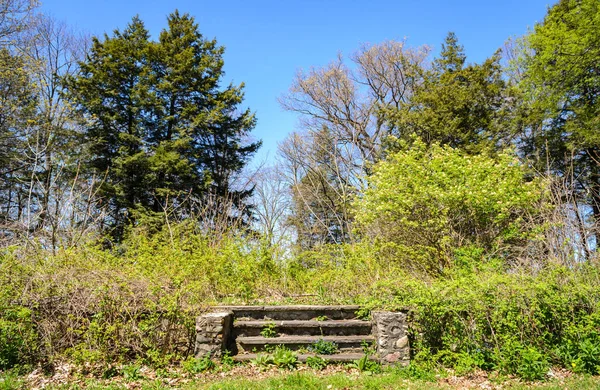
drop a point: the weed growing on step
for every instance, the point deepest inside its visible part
(262, 361)
(323, 347)
(363, 314)
(269, 330)
(321, 318)
(316, 362)
(284, 358)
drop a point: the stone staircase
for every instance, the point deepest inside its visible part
(247, 331)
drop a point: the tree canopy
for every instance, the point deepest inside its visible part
(161, 127)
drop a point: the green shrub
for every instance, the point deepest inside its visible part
(198, 365)
(18, 338)
(323, 347)
(425, 202)
(284, 358)
(316, 362)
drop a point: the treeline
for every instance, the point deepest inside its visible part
(103, 134)
(467, 192)
(536, 97)
(100, 135)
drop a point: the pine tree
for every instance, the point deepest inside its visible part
(160, 126)
(460, 105)
(198, 117)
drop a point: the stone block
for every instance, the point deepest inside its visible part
(213, 333)
(391, 335)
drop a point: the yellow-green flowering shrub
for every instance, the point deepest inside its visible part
(423, 203)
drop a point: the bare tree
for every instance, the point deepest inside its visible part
(59, 197)
(353, 102)
(344, 112)
(14, 18)
(272, 202)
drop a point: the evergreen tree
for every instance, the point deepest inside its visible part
(160, 126)
(112, 91)
(458, 105)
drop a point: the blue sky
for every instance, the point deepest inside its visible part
(267, 42)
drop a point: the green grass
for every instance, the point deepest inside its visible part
(392, 379)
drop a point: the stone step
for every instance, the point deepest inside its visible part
(344, 343)
(294, 312)
(337, 358)
(246, 328)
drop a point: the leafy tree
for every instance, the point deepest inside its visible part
(457, 104)
(160, 126)
(562, 85)
(427, 202)
(17, 115)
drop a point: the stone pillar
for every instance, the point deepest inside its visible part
(213, 331)
(390, 331)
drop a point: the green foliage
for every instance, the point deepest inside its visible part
(417, 371)
(10, 381)
(323, 347)
(227, 361)
(284, 358)
(561, 86)
(363, 314)
(195, 365)
(160, 126)
(316, 362)
(280, 357)
(533, 364)
(514, 323)
(422, 201)
(131, 372)
(262, 361)
(463, 106)
(581, 352)
(269, 330)
(18, 337)
(367, 365)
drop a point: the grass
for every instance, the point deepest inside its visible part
(310, 380)
(389, 380)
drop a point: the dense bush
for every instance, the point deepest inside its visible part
(140, 301)
(138, 304)
(426, 202)
(511, 322)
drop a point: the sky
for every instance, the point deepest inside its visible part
(268, 41)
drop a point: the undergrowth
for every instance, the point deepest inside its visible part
(94, 306)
